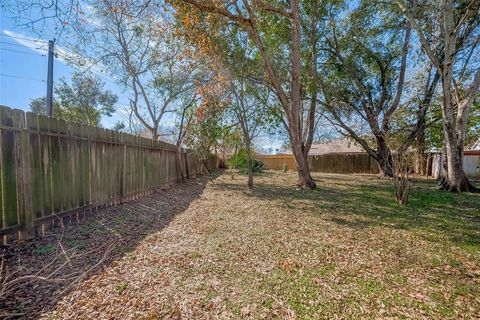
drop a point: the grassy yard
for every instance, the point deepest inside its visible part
(346, 250)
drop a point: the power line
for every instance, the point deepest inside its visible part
(13, 44)
(21, 38)
(24, 52)
(19, 77)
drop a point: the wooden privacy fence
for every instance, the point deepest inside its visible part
(329, 163)
(349, 163)
(52, 171)
(276, 162)
(343, 163)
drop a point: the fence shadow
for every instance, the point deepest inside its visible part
(120, 227)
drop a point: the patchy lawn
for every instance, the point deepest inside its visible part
(209, 249)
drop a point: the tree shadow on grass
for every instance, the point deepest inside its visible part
(121, 227)
(360, 202)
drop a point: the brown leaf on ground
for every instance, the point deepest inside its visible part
(209, 250)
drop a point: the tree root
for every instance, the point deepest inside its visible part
(465, 186)
(472, 188)
(304, 185)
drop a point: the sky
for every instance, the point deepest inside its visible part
(23, 69)
(23, 74)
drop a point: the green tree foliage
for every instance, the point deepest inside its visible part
(448, 32)
(282, 37)
(39, 106)
(239, 161)
(119, 126)
(435, 134)
(206, 131)
(83, 101)
(364, 74)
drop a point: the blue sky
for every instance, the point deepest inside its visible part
(23, 72)
(23, 69)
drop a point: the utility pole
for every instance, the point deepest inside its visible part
(51, 48)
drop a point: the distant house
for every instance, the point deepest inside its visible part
(228, 152)
(471, 162)
(334, 146)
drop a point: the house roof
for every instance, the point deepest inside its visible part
(231, 151)
(334, 146)
(472, 152)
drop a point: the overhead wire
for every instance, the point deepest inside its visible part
(24, 52)
(21, 38)
(19, 77)
(102, 75)
(12, 44)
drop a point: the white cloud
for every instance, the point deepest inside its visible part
(90, 17)
(63, 55)
(36, 44)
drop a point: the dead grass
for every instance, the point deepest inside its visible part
(346, 250)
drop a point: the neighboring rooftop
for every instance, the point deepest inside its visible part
(334, 146)
(231, 151)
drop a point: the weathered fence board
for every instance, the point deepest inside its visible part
(330, 163)
(9, 169)
(349, 163)
(52, 171)
(276, 162)
(343, 163)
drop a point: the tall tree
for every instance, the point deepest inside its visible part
(183, 127)
(449, 33)
(250, 107)
(423, 103)
(281, 56)
(206, 130)
(366, 53)
(134, 42)
(251, 103)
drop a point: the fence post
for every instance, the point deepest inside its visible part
(24, 174)
(124, 167)
(187, 173)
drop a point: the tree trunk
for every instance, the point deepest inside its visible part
(455, 110)
(187, 173)
(455, 174)
(179, 165)
(249, 164)
(250, 177)
(384, 159)
(305, 179)
(456, 180)
(420, 162)
(385, 168)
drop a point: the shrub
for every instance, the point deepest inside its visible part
(401, 181)
(239, 161)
